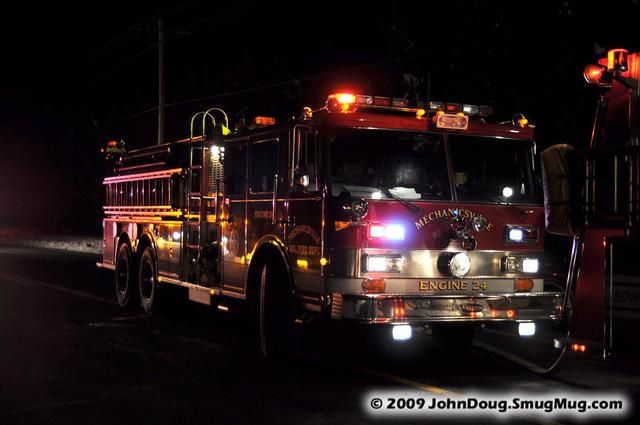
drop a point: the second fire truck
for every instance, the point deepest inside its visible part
(364, 210)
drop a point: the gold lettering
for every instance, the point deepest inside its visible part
(423, 286)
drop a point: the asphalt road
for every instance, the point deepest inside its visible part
(70, 355)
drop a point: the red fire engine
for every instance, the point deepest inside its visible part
(364, 210)
(593, 194)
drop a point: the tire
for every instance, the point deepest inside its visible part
(453, 338)
(276, 312)
(125, 281)
(148, 280)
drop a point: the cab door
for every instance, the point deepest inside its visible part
(234, 247)
(264, 204)
(305, 211)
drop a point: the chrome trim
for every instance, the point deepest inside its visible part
(106, 266)
(420, 310)
(165, 279)
(423, 264)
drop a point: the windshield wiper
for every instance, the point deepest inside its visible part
(508, 204)
(416, 209)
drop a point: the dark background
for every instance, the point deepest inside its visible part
(75, 76)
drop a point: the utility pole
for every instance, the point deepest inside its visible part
(160, 80)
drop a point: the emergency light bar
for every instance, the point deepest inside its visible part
(346, 103)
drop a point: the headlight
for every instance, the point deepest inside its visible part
(520, 264)
(530, 265)
(384, 263)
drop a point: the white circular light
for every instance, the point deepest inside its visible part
(376, 195)
(507, 192)
(460, 264)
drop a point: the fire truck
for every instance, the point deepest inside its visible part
(592, 194)
(417, 219)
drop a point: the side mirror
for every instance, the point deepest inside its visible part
(302, 181)
(562, 194)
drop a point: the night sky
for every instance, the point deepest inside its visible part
(75, 76)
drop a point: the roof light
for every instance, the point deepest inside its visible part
(471, 110)
(341, 102)
(453, 108)
(364, 99)
(346, 98)
(399, 103)
(382, 101)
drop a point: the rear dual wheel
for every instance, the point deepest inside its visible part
(136, 284)
(148, 280)
(125, 278)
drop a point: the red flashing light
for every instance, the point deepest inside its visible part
(453, 108)
(345, 98)
(341, 102)
(579, 347)
(511, 314)
(398, 309)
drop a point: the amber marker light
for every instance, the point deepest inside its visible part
(420, 113)
(511, 314)
(324, 261)
(524, 285)
(372, 286)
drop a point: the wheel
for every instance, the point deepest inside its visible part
(276, 312)
(125, 282)
(453, 338)
(147, 279)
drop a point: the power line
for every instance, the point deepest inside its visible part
(130, 32)
(243, 91)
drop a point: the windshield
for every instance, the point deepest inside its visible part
(378, 163)
(489, 169)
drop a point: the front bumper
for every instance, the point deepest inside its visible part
(429, 308)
